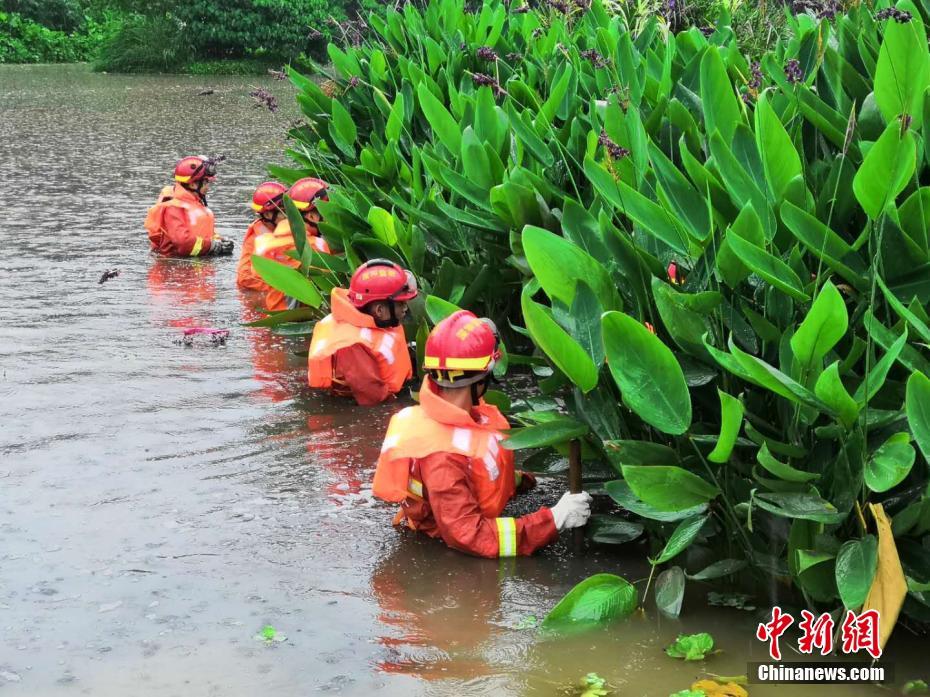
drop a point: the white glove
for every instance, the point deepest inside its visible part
(572, 510)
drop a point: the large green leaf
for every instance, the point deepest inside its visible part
(557, 430)
(611, 530)
(301, 314)
(784, 472)
(721, 107)
(668, 488)
(899, 307)
(289, 281)
(395, 122)
(902, 73)
(681, 539)
(886, 170)
(438, 309)
(596, 601)
(803, 506)
(445, 127)
(731, 418)
(780, 158)
(685, 326)
(650, 379)
(298, 225)
(342, 129)
(823, 242)
(874, 379)
(561, 348)
(855, 569)
(823, 326)
(620, 492)
(653, 218)
(917, 405)
(831, 390)
(890, 463)
(719, 569)
(382, 223)
(770, 377)
(559, 265)
(767, 266)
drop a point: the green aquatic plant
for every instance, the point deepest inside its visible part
(691, 647)
(596, 601)
(716, 271)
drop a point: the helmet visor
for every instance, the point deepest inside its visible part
(409, 290)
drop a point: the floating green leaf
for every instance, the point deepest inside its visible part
(691, 647)
(596, 601)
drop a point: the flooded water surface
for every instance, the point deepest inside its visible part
(160, 504)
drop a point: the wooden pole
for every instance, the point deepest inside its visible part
(574, 487)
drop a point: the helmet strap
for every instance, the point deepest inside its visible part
(475, 397)
(392, 322)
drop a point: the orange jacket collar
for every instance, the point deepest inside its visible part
(447, 413)
(345, 311)
(182, 194)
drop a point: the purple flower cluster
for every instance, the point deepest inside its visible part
(596, 59)
(277, 74)
(486, 53)
(754, 84)
(793, 72)
(614, 151)
(482, 80)
(899, 16)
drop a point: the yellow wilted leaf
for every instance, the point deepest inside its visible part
(889, 586)
(712, 688)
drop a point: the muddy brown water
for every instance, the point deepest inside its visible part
(160, 504)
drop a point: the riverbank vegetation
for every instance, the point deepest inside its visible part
(199, 36)
(715, 266)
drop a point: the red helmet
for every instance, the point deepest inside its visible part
(194, 168)
(306, 191)
(268, 197)
(461, 350)
(380, 279)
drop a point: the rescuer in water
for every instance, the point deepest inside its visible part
(305, 193)
(359, 349)
(180, 224)
(443, 461)
(268, 204)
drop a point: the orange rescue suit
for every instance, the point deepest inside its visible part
(349, 352)
(452, 477)
(275, 245)
(179, 224)
(246, 278)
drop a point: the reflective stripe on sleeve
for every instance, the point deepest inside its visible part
(386, 349)
(507, 537)
(415, 487)
(198, 245)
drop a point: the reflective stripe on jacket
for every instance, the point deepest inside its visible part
(179, 225)
(347, 326)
